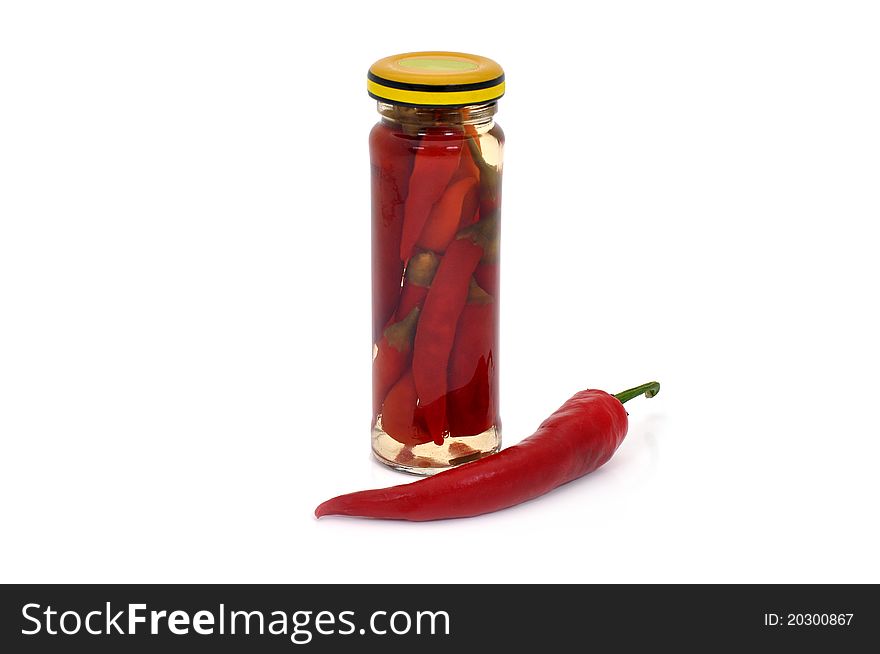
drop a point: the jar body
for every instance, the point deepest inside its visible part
(436, 199)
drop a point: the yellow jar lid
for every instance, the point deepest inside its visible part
(435, 79)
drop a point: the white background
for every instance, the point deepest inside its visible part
(691, 194)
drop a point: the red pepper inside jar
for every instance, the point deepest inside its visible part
(435, 156)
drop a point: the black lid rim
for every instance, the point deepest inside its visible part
(434, 88)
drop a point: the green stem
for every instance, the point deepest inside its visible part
(648, 390)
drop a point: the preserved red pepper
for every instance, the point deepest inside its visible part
(401, 418)
(472, 371)
(436, 330)
(458, 204)
(391, 161)
(393, 353)
(436, 156)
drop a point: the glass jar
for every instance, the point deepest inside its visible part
(436, 156)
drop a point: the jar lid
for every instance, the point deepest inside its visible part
(435, 79)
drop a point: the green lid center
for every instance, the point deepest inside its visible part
(439, 64)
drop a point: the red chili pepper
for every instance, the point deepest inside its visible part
(392, 163)
(392, 356)
(401, 418)
(436, 160)
(470, 406)
(469, 168)
(578, 438)
(436, 330)
(459, 200)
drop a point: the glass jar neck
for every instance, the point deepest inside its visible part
(480, 115)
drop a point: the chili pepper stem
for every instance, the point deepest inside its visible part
(648, 390)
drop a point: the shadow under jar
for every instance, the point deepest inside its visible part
(436, 157)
